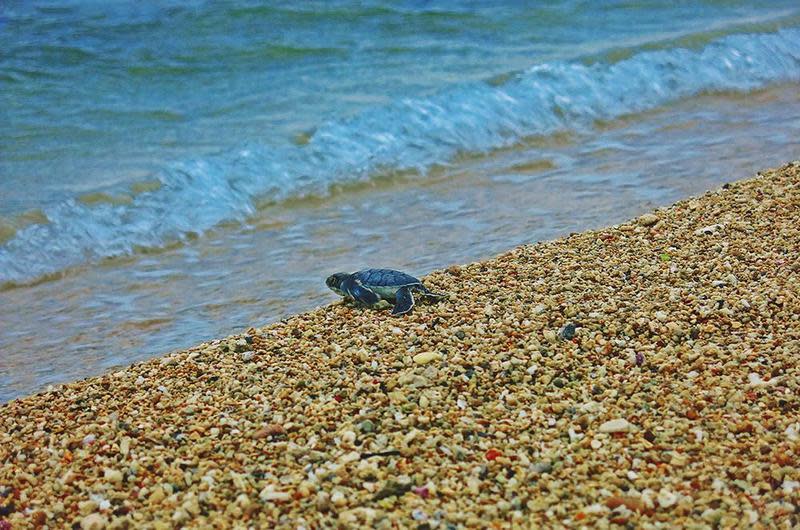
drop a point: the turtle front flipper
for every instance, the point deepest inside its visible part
(404, 301)
(359, 293)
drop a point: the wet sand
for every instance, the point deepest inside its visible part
(644, 374)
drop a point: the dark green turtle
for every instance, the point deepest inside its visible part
(370, 286)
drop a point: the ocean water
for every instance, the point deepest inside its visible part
(176, 171)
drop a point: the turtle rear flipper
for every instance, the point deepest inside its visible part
(433, 296)
(404, 301)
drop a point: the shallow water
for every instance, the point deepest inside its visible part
(208, 180)
(132, 308)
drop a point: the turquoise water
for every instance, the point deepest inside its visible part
(172, 170)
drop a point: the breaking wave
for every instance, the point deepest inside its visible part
(409, 134)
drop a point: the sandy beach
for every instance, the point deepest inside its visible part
(643, 376)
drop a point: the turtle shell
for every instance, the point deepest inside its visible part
(384, 278)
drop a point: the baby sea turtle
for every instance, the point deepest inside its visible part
(370, 286)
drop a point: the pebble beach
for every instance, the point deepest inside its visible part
(638, 376)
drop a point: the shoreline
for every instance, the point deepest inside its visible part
(674, 402)
(156, 300)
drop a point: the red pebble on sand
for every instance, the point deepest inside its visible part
(492, 454)
(422, 492)
(338, 398)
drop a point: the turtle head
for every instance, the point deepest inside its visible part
(334, 282)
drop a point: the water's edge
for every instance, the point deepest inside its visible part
(237, 332)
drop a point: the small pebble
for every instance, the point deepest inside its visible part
(269, 494)
(94, 521)
(338, 498)
(423, 492)
(648, 219)
(427, 357)
(367, 426)
(493, 454)
(616, 425)
(113, 476)
(273, 429)
(323, 501)
(666, 498)
(567, 332)
(754, 379)
(792, 432)
(157, 495)
(708, 230)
